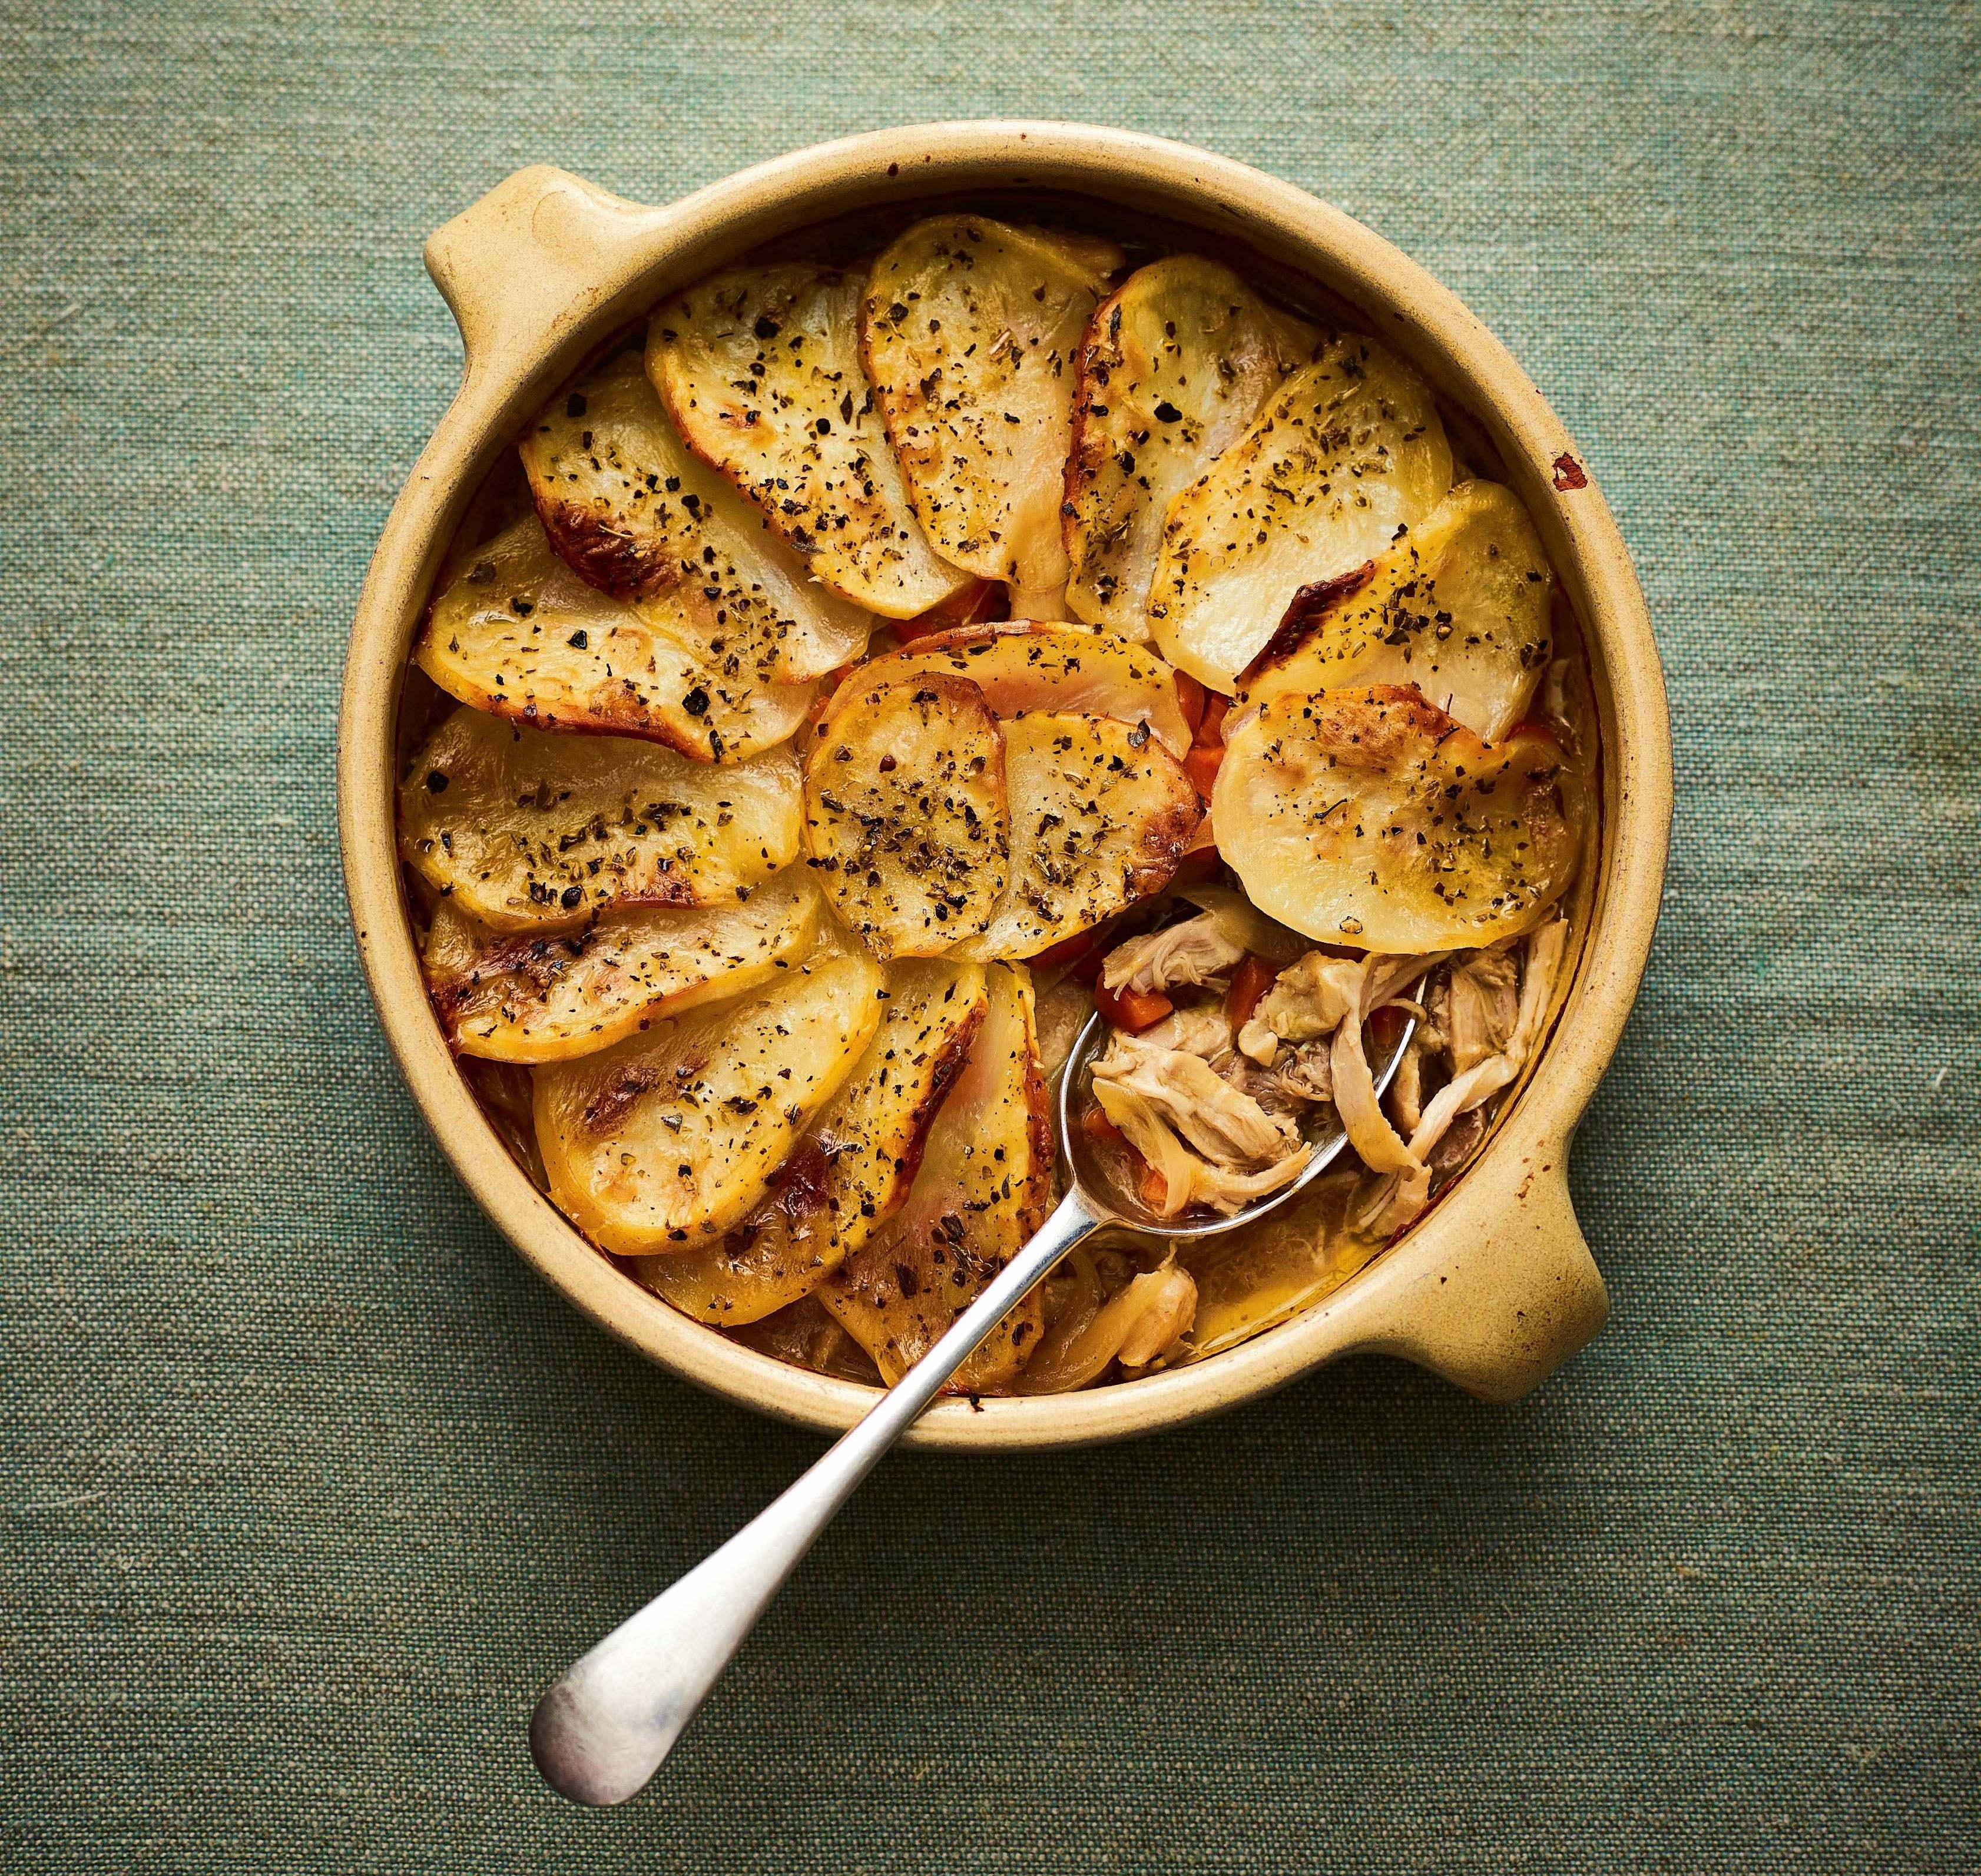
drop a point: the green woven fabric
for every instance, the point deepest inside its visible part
(309, 1485)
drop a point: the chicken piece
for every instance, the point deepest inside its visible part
(1163, 1306)
(1308, 1000)
(1398, 1200)
(1406, 1091)
(1480, 1005)
(1139, 1323)
(1198, 1029)
(1461, 1142)
(1217, 1120)
(1305, 1073)
(1382, 1148)
(1471, 1087)
(1199, 951)
(1187, 1180)
(1228, 1192)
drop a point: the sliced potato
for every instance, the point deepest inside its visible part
(904, 814)
(528, 997)
(850, 1174)
(640, 516)
(1176, 364)
(518, 633)
(1459, 607)
(528, 830)
(1070, 669)
(1369, 817)
(671, 1136)
(1100, 815)
(970, 332)
(984, 1186)
(760, 369)
(1350, 451)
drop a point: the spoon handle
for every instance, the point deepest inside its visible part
(601, 1732)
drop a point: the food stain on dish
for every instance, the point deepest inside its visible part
(870, 670)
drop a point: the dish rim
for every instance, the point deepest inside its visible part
(1495, 1285)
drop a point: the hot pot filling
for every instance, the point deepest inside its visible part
(870, 672)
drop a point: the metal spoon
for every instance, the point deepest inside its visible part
(601, 1732)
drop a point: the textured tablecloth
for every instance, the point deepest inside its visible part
(306, 1485)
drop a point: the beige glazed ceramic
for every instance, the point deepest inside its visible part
(1496, 1285)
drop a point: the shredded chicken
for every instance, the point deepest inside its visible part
(1198, 1029)
(1480, 1082)
(1187, 1179)
(1308, 999)
(1208, 1142)
(1221, 1122)
(1406, 1091)
(1199, 951)
(1162, 1305)
(1480, 1005)
(1305, 1074)
(1401, 1198)
(1383, 1149)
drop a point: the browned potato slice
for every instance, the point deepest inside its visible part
(531, 831)
(1070, 669)
(518, 633)
(640, 516)
(985, 1185)
(760, 369)
(1350, 451)
(1459, 607)
(1369, 817)
(1177, 363)
(530, 996)
(970, 332)
(670, 1137)
(1100, 815)
(850, 1173)
(904, 816)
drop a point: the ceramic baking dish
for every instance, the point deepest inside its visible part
(1496, 1285)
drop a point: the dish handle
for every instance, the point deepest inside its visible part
(1524, 1296)
(522, 268)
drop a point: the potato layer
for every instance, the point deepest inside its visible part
(971, 330)
(1458, 607)
(519, 634)
(1100, 815)
(1350, 451)
(1175, 367)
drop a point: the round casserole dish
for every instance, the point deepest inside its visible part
(1496, 1285)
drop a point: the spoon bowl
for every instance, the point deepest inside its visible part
(1087, 1174)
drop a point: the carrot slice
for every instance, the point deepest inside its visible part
(1132, 1010)
(1211, 727)
(1096, 1126)
(1249, 982)
(972, 606)
(1202, 764)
